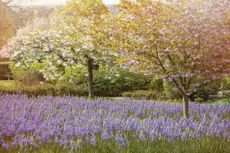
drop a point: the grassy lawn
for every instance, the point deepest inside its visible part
(8, 84)
(221, 100)
(134, 146)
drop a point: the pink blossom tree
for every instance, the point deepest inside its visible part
(185, 42)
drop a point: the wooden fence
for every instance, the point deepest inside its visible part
(5, 73)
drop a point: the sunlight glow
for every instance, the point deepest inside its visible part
(50, 2)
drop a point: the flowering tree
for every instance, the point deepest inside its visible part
(59, 42)
(85, 15)
(184, 42)
(85, 8)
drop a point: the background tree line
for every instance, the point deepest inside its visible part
(182, 45)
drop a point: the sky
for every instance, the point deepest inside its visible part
(42, 2)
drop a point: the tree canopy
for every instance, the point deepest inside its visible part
(85, 8)
(184, 42)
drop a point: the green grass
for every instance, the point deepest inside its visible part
(221, 100)
(207, 145)
(39, 89)
(8, 84)
(15, 87)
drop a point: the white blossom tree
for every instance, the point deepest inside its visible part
(70, 38)
(58, 44)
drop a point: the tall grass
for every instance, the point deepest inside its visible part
(204, 145)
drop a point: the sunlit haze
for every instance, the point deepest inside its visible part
(44, 2)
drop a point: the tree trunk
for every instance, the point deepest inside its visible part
(90, 81)
(186, 106)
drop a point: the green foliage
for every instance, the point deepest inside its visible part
(74, 82)
(109, 84)
(27, 76)
(226, 93)
(157, 84)
(68, 89)
(75, 74)
(7, 84)
(170, 91)
(205, 91)
(222, 100)
(199, 100)
(225, 83)
(200, 95)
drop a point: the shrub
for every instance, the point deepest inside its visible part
(201, 93)
(143, 94)
(68, 89)
(205, 91)
(28, 76)
(199, 100)
(75, 75)
(157, 84)
(225, 83)
(170, 91)
(107, 83)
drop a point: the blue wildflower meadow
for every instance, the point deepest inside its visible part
(70, 122)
